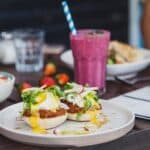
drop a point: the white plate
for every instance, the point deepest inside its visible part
(116, 69)
(121, 121)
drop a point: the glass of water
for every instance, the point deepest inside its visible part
(28, 45)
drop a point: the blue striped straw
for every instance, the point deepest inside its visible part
(69, 17)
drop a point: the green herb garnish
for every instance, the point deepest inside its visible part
(29, 97)
(92, 95)
(56, 91)
(79, 115)
(68, 86)
(87, 104)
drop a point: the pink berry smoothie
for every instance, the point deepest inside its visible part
(89, 49)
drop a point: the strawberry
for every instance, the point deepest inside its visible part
(62, 78)
(47, 81)
(23, 86)
(49, 69)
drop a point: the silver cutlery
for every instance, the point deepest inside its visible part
(136, 98)
(142, 117)
(132, 81)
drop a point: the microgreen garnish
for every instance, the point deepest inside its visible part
(79, 115)
(83, 96)
(56, 91)
(29, 96)
(68, 86)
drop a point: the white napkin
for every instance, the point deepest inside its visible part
(139, 107)
(143, 93)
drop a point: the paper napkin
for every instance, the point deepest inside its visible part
(136, 101)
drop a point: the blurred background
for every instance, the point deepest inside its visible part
(121, 17)
(48, 15)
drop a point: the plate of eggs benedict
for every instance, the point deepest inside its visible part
(68, 116)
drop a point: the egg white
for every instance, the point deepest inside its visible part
(50, 103)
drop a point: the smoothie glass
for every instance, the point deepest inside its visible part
(89, 49)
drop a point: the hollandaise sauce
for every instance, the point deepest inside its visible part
(94, 117)
(34, 122)
(36, 99)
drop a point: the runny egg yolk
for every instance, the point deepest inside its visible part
(39, 99)
(34, 122)
(34, 119)
(93, 117)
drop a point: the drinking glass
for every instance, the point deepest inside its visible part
(89, 49)
(28, 45)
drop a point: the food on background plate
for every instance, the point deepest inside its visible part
(83, 103)
(120, 53)
(42, 108)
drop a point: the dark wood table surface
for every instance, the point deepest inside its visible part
(137, 139)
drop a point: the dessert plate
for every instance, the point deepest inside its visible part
(126, 69)
(119, 121)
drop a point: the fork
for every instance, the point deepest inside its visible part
(132, 81)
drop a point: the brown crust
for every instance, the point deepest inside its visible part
(46, 113)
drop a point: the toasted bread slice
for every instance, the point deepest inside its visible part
(127, 52)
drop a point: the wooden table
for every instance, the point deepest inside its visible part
(137, 139)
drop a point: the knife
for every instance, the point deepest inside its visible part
(140, 99)
(142, 116)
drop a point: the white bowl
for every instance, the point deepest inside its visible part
(6, 87)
